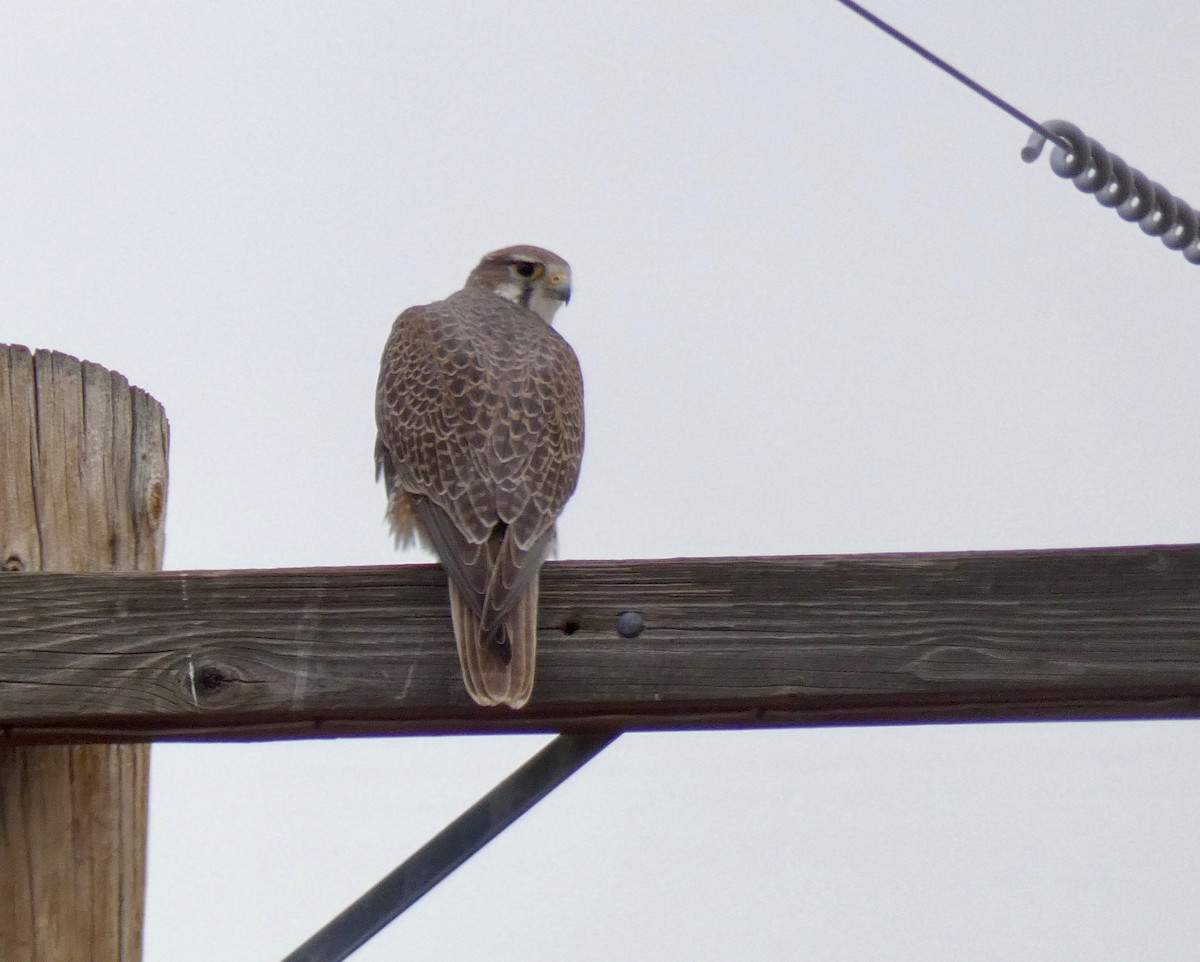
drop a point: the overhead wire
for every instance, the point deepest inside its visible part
(954, 72)
(1082, 160)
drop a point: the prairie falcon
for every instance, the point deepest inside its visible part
(479, 408)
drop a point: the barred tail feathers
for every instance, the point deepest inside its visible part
(490, 679)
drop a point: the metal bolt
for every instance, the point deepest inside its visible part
(630, 624)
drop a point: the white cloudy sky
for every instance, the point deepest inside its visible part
(821, 306)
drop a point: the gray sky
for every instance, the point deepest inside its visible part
(821, 306)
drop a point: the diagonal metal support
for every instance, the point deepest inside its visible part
(452, 846)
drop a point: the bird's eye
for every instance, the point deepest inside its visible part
(528, 269)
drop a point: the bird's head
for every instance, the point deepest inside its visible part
(530, 276)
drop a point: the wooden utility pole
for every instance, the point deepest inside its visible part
(83, 482)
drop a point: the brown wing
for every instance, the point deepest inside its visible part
(480, 414)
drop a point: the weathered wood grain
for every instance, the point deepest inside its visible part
(83, 460)
(1097, 633)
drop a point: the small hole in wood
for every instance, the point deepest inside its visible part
(13, 563)
(570, 626)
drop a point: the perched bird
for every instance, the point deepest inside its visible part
(479, 409)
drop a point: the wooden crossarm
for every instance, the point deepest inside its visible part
(728, 642)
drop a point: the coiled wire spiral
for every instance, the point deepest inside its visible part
(1115, 184)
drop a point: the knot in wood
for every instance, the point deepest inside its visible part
(210, 679)
(156, 501)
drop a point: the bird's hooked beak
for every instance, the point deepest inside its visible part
(558, 285)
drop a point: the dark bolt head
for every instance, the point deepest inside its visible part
(630, 624)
